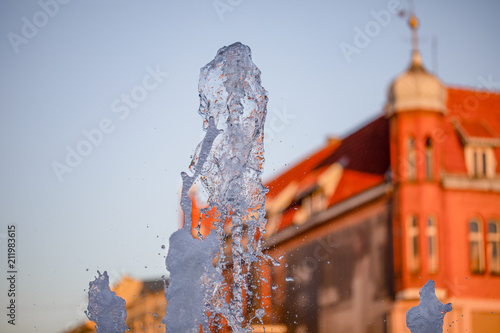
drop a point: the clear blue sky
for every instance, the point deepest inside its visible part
(119, 204)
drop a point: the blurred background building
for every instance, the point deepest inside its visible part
(145, 305)
(361, 224)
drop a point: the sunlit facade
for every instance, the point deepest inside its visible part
(361, 224)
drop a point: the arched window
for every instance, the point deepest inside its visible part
(494, 247)
(412, 159)
(432, 243)
(413, 248)
(428, 159)
(476, 246)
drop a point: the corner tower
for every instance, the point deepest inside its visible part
(415, 108)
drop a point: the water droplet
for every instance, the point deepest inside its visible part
(289, 279)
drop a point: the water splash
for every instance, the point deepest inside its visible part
(229, 163)
(189, 261)
(105, 308)
(428, 315)
(231, 93)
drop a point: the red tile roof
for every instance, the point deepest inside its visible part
(300, 170)
(477, 129)
(478, 112)
(365, 150)
(364, 155)
(352, 183)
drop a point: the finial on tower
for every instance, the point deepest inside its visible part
(413, 22)
(415, 89)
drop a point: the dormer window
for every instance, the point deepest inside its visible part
(314, 202)
(311, 203)
(479, 142)
(318, 201)
(480, 161)
(307, 205)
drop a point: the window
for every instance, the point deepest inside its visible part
(476, 247)
(318, 201)
(307, 205)
(311, 203)
(433, 259)
(428, 159)
(412, 159)
(480, 161)
(314, 202)
(413, 248)
(494, 247)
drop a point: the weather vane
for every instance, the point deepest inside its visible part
(413, 22)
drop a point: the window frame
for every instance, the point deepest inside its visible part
(480, 161)
(493, 242)
(413, 246)
(412, 158)
(476, 237)
(429, 161)
(432, 243)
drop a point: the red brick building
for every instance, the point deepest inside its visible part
(361, 224)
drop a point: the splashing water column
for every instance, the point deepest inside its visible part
(229, 164)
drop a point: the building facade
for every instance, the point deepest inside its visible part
(360, 225)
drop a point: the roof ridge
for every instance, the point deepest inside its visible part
(472, 90)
